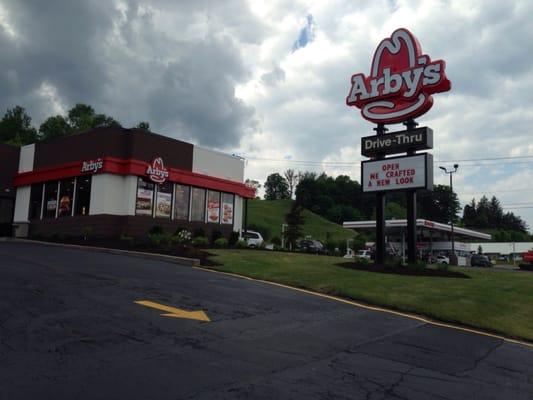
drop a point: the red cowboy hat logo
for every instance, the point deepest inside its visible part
(401, 81)
(157, 171)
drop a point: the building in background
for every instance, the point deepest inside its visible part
(434, 238)
(116, 181)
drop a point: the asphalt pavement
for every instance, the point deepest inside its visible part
(79, 324)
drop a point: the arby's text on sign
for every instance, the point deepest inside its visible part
(401, 81)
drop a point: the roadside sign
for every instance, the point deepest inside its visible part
(397, 173)
(397, 142)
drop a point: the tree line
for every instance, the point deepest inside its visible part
(16, 127)
(340, 199)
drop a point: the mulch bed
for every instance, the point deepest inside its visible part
(397, 270)
(177, 251)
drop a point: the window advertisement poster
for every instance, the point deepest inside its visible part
(181, 202)
(213, 207)
(227, 208)
(145, 198)
(163, 206)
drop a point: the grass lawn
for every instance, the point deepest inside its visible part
(498, 301)
(271, 214)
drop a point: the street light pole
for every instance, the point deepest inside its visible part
(451, 172)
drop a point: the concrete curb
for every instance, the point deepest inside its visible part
(193, 262)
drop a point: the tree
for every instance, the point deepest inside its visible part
(441, 205)
(495, 212)
(469, 213)
(276, 187)
(54, 127)
(294, 220)
(255, 185)
(16, 129)
(82, 117)
(144, 126)
(292, 180)
(103, 121)
(488, 214)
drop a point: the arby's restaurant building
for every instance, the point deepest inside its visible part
(115, 181)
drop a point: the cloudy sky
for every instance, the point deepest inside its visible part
(267, 80)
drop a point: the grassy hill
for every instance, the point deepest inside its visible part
(271, 214)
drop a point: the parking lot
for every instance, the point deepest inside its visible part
(79, 324)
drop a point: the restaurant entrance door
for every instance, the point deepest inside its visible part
(7, 208)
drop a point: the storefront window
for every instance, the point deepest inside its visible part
(50, 199)
(145, 197)
(163, 204)
(198, 205)
(66, 197)
(213, 207)
(83, 195)
(227, 208)
(181, 202)
(36, 201)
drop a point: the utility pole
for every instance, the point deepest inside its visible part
(451, 172)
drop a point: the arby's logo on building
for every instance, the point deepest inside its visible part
(157, 171)
(92, 166)
(401, 81)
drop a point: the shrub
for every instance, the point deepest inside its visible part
(526, 266)
(86, 232)
(198, 232)
(216, 235)
(155, 239)
(128, 239)
(276, 241)
(221, 242)
(200, 241)
(156, 229)
(331, 245)
(362, 261)
(417, 266)
(442, 267)
(241, 244)
(233, 238)
(341, 244)
(183, 237)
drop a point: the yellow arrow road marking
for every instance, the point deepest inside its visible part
(175, 312)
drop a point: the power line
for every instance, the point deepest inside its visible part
(472, 162)
(496, 191)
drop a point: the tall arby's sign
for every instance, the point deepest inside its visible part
(401, 81)
(398, 89)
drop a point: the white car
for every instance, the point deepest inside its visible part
(253, 239)
(442, 260)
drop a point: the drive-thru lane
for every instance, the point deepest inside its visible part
(70, 328)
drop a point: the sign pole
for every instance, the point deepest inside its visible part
(380, 210)
(411, 207)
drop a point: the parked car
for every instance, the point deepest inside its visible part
(442, 260)
(479, 260)
(253, 239)
(366, 254)
(311, 246)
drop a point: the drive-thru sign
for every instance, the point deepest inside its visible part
(398, 89)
